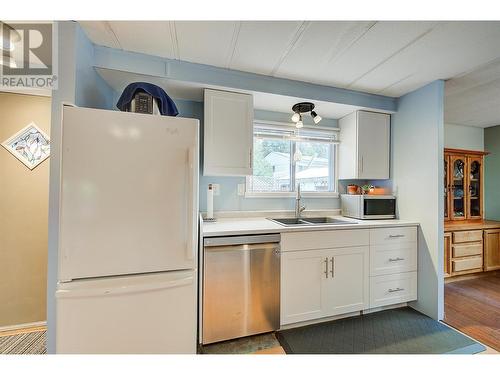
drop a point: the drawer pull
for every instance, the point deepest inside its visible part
(396, 259)
(396, 235)
(396, 290)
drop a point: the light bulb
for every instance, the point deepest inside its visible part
(299, 124)
(296, 117)
(316, 118)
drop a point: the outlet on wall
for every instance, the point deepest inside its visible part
(216, 189)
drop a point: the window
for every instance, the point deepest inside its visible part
(284, 156)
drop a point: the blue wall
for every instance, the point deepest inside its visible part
(417, 171)
(90, 89)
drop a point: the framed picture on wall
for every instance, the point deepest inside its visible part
(30, 145)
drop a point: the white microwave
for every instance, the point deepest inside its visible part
(368, 206)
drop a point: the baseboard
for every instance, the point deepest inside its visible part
(319, 320)
(471, 276)
(17, 327)
(382, 308)
(342, 316)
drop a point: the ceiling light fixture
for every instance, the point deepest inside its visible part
(304, 107)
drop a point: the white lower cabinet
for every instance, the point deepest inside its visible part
(323, 282)
(302, 284)
(342, 271)
(390, 289)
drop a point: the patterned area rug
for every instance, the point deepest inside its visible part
(24, 343)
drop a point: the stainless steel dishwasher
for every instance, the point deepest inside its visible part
(241, 286)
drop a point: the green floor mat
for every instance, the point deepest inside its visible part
(396, 331)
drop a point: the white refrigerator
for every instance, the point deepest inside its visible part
(127, 278)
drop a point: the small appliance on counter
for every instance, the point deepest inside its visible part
(143, 97)
(367, 206)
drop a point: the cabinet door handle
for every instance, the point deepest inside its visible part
(326, 267)
(397, 259)
(250, 162)
(396, 290)
(396, 235)
(333, 267)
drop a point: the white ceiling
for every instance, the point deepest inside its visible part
(118, 80)
(388, 57)
(473, 99)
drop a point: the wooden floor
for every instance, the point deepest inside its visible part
(473, 307)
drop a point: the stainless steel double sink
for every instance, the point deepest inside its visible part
(303, 221)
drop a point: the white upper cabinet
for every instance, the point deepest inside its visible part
(228, 136)
(365, 145)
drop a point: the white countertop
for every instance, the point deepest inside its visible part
(260, 225)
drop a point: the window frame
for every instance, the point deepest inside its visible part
(334, 152)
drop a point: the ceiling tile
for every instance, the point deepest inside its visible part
(475, 78)
(381, 43)
(262, 44)
(320, 43)
(205, 42)
(150, 37)
(100, 33)
(448, 50)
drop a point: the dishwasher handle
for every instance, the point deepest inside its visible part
(245, 247)
(241, 240)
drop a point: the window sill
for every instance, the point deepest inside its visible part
(308, 195)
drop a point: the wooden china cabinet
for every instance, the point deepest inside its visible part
(463, 181)
(471, 244)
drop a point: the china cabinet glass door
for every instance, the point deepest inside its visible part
(458, 200)
(475, 188)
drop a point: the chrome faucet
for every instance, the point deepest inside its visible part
(298, 207)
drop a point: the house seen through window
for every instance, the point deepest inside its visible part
(284, 157)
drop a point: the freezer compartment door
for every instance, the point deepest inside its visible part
(129, 193)
(143, 314)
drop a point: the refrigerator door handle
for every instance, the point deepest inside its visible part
(191, 215)
(124, 289)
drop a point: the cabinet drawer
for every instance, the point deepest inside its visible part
(467, 236)
(393, 258)
(324, 239)
(390, 289)
(467, 264)
(466, 250)
(382, 236)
